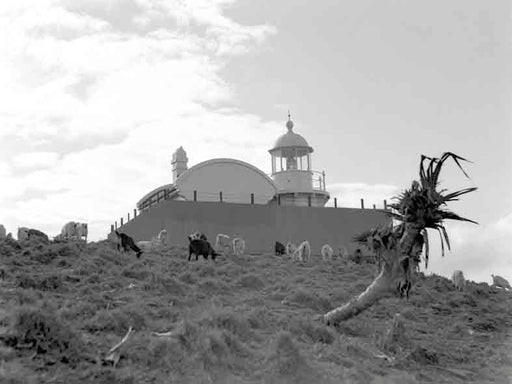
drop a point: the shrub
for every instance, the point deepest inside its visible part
(44, 283)
(43, 255)
(46, 334)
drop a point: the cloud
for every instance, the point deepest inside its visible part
(478, 251)
(97, 96)
(350, 194)
(35, 160)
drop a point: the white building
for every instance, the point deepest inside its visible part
(292, 181)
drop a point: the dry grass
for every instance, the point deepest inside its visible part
(249, 319)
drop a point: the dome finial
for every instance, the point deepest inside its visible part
(289, 123)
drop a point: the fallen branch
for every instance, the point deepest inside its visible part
(113, 355)
(115, 347)
(165, 334)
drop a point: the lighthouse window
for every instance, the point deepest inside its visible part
(291, 162)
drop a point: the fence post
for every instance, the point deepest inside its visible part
(385, 204)
(121, 221)
(134, 213)
(252, 198)
(362, 203)
(309, 201)
(195, 195)
(115, 224)
(220, 196)
(111, 227)
(335, 202)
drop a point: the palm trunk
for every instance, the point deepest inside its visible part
(384, 284)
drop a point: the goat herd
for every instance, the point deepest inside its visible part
(199, 246)
(70, 231)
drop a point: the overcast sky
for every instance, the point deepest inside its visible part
(97, 94)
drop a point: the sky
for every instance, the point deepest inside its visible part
(98, 94)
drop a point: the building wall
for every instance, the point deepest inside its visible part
(236, 179)
(259, 225)
(292, 180)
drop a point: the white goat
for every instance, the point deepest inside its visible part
(197, 236)
(290, 248)
(222, 242)
(238, 246)
(458, 280)
(156, 241)
(161, 238)
(303, 252)
(344, 253)
(498, 281)
(22, 233)
(326, 252)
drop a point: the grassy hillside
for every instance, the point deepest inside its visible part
(250, 319)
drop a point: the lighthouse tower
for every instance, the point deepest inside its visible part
(297, 183)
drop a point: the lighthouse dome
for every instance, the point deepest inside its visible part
(291, 140)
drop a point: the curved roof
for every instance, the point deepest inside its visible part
(230, 161)
(291, 140)
(155, 191)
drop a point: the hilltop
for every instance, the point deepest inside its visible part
(251, 319)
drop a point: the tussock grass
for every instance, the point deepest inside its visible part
(46, 334)
(250, 319)
(311, 331)
(286, 355)
(251, 281)
(41, 282)
(309, 300)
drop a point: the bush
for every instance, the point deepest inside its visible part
(44, 283)
(46, 334)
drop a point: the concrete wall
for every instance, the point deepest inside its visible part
(259, 225)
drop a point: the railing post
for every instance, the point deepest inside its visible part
(309, 201)
(385, 204)
(134, 213)
(195, 195)
(335, 202)
(252, 198)
(111, 227)
(121, 221)
(362, 203)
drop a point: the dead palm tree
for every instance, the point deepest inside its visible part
(417, 208)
